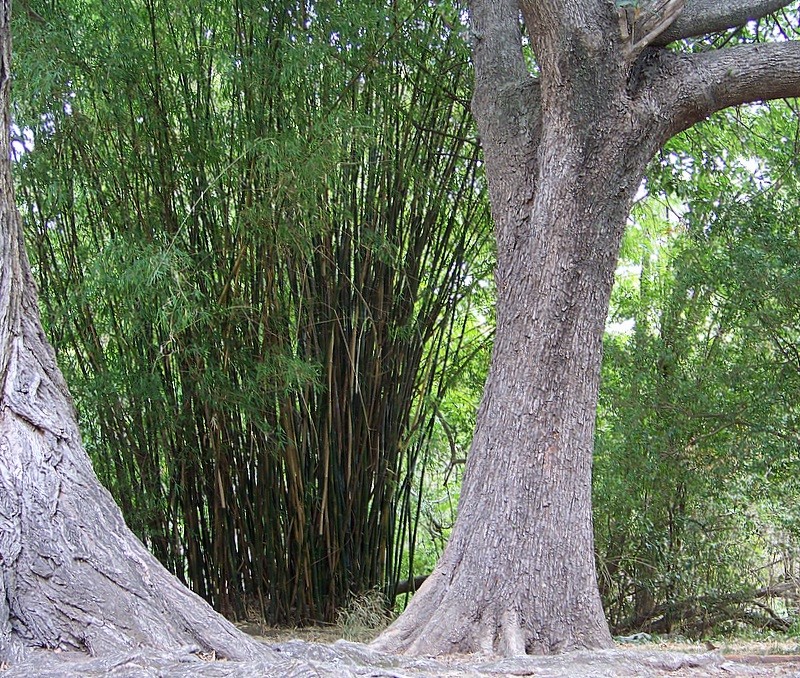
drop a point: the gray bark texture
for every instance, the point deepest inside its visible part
(72, 576)
(565, 153)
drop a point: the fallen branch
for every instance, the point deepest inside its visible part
(699, 615)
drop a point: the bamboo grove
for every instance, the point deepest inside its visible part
(256, 228)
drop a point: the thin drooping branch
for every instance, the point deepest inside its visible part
(701, 17)
(712, 81)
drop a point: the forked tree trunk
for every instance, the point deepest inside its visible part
(72, 576)
(565, 153)
(518, 574)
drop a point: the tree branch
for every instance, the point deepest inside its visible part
(701, 17)
(655, 22)
(497, 43)
(711, 81)
(502, 79)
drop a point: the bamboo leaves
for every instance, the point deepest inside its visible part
(265, 228)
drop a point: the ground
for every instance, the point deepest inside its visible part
(677, 657)
(319, 652)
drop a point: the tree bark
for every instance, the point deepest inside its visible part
(701, 17)
(73, 576)
(565, 154)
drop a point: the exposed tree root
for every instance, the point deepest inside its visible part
(445, 618)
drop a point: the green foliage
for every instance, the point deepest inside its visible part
(261, 238)
(257, 230)
(696, 463)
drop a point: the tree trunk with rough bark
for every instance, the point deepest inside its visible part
(565, 154)
(73, 577)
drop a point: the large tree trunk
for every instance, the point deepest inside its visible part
(72, 576)
(518, 574)
(565, 153)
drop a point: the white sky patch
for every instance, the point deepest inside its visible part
(751, 165)
(629, 270)
(624, 327)
(21, 142)
(759, 172)
(642, 192)
(48, 123)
